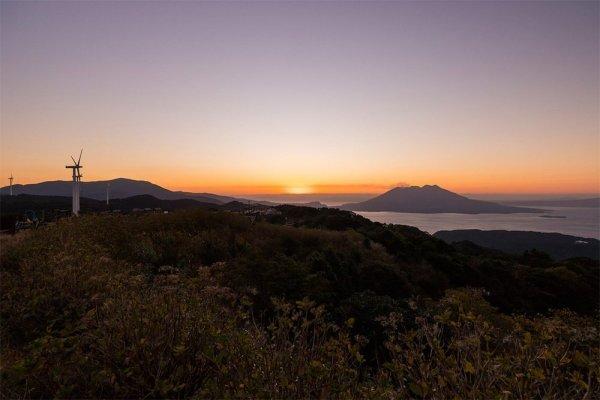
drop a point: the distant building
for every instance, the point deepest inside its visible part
(262, 211)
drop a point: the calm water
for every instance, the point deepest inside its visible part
(583, 222)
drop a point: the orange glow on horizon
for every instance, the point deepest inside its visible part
(292, 181)
(502, 182)
(240, 190)
(303, 106)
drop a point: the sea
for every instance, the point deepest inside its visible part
(575, 221)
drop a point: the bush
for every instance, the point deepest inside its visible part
(207, 305)
(463, 348)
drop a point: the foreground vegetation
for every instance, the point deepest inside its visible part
(309, 303)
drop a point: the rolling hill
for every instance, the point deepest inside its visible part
(14, 207)
(119, 188)
(124, 296)
(431, 199)
(24, 202)
(557, 245)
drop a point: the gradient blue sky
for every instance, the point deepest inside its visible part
(304, 97)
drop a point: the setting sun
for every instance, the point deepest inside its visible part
(298, 190)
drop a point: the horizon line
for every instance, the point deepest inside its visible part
(283, 193)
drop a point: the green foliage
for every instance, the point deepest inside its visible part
(208, 305)
(462, 348)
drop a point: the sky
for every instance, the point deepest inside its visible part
(303, 97)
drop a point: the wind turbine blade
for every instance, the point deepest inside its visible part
(74, 162)
(79, 156)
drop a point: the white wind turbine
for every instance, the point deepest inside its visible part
(76, 180)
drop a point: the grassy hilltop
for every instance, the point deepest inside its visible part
(305, 303)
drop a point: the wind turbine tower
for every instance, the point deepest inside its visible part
(10, 178)
(76, 180)
(79, 176)
(107, 192)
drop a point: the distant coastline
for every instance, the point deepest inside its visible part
(582, 222)
(593, 202)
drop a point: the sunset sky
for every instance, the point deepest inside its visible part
(248, 98)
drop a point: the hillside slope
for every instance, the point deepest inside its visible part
(12, 208)
(119, 188)
(557, 245)
(208, 304)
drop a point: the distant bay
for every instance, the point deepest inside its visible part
(584, 222)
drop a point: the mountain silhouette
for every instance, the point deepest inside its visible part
(431, 199)
(119, 188)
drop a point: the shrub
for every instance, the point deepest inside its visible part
(463, 348)
(87, 309)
